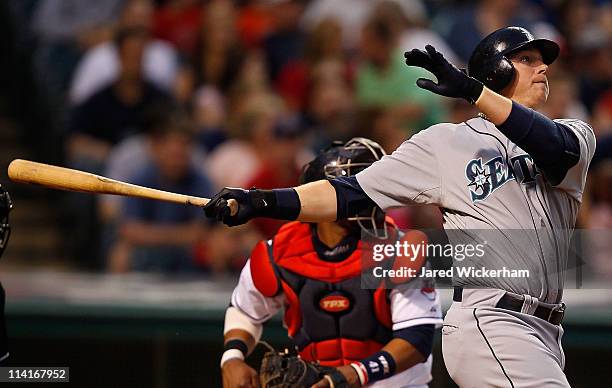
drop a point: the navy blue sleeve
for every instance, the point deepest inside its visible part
(350, 197)
(419, 336)
(553, 146)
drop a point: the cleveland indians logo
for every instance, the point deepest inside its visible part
(485, 178)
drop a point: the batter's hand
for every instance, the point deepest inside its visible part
(237, 374)
(452, 82)
(248, 204)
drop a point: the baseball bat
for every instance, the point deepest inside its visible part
(55, 177)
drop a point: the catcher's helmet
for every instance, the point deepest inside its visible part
(490, 64)
(344, 160)
(5, 207)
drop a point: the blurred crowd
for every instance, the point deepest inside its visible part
(194, 95)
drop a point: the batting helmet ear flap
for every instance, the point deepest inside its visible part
(500, 75)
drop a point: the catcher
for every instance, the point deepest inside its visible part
(346, 336)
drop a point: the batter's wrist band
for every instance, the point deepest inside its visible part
(230, 355)
(378, 366)
(280, 204)
(288, 204)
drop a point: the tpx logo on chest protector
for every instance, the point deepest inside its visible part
(335, 303)
(485, 178)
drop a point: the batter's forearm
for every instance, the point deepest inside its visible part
(317, 202)
(496, 107)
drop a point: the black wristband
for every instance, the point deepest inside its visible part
(288, 205)
(280, 204)
(236, 344)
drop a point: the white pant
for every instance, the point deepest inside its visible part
(484, 346)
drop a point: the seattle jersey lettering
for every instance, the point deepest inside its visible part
(485, 178)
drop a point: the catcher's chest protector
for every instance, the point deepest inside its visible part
(329, 316)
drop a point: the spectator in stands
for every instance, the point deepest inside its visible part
(412, 26)
(65, 28)
(101, 64)
(157, 235)
(602, 115)
(602, 125)
(236, 162)
(330, 113)
(219, 55)
(254, 22)
(129, 157)
(209, 115)
(384, 81)
(252, 79)
(81, 22)
(349, 14)
(280, 166)
(103, 120)
(593, 62)
(600, 220)
(286, 42)
(381, 124)
(353, 14)
(179, 22)
(576, 16)
(464, 26)
(118, 110)
(323, 45)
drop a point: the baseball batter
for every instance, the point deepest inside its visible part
(512, 171)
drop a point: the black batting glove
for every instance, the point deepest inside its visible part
(452, 82)
(251, 203)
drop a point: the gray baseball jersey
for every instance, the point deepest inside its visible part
(483, 181)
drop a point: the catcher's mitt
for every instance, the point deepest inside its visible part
(284, 370)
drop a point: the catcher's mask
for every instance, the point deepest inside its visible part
(5, 207)
(344, 160)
